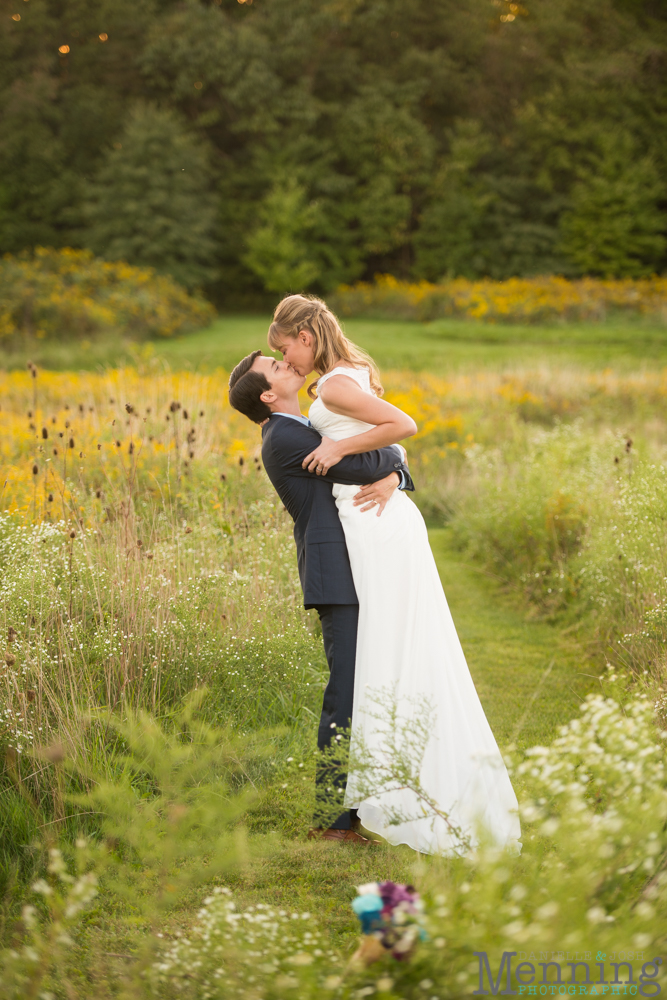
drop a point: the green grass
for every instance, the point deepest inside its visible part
(440, 346)
(530, 678)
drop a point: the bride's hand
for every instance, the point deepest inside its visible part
(376, 496)
(326, 454)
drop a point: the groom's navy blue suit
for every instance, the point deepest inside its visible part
(324, 565)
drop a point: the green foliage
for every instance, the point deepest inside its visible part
(70, 293)
(279, 250)
(168, 824)
(151, 201)
(451, 143)
(614, 226)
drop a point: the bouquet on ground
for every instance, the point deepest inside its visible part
(391, 921)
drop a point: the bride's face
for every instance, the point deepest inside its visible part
(298, 352)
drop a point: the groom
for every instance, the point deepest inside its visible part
(267, 390)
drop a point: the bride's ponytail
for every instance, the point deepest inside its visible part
(306, 312)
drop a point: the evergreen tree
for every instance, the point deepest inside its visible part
(279, 250)
(614, 226)
(152, 201)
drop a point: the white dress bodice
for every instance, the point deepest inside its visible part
(335, 425)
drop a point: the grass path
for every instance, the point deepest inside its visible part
(529, 677)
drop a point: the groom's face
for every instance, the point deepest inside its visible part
(284, 380)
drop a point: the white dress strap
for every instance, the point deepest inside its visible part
(359, 375)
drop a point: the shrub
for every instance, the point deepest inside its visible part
(71, 294)
(516, 300)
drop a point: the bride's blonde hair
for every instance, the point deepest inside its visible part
(306, 312)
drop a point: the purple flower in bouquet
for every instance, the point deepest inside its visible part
(403, 899)
(390, 921)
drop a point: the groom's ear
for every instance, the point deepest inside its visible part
(268, 397)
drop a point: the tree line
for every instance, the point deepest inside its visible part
(287, 144)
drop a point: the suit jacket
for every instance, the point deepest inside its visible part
(324, 565)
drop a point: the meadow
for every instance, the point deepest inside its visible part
(162, 681)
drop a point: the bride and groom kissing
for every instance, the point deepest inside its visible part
(366, 566)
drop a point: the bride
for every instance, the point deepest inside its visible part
(407, 641)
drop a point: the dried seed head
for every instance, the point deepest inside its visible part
(29, 414)
(71, 442)
(81, 408)
(139, 543)
(10, 659)
(201, 413)
(628, 444)
(131, 448)
(45, 433)
(188, 531)
(616, 459)
(191, 454)
(98, 493)
(112, 400)
(35, 470)
(67, 423)
(11, 633)
(149, 555)
(241, 460)
(55, 451)
(72, 533)
(50, 499)
(223, 477)
(118, 444)
(148, 409)
(174, 406)
(129, 408)
(80, 454)
(30, 695)
(99, 447)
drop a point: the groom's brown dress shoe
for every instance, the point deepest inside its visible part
(341, 836)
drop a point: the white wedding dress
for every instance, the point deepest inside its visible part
(407, 645)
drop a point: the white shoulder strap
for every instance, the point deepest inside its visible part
(352, 373)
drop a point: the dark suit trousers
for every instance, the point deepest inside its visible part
(339, 633)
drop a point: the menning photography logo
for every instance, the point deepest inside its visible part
(588, 976)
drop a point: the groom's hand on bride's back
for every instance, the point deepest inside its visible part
(376, 496)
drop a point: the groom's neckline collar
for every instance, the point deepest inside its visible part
(293, 416)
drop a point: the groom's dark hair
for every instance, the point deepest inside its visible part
(245, 388)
